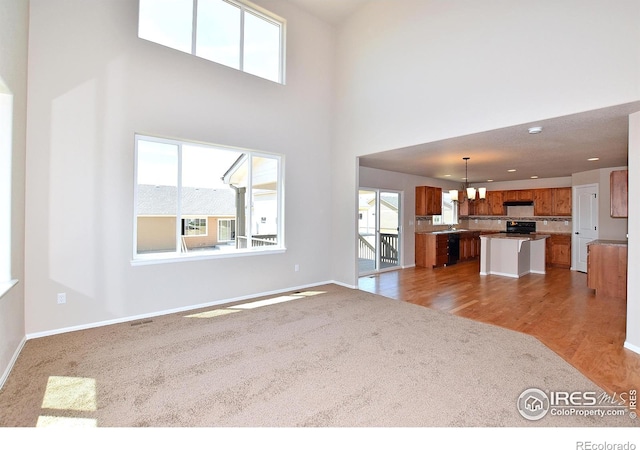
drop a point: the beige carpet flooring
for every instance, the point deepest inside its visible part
(326, 357)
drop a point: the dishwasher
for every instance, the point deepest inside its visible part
(454, 248)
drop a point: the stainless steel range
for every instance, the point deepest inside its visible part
(518, 227)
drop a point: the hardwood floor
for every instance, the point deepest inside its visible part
(557, 308)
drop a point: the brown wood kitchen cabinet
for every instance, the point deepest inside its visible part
(465, 208)
(607, 268)
(496, 203)
(619, 193)
(521, 195)
(562, 201)
(559, 251)
(542, 202)
(492, 205)
(428, 201)
(432, 250)
(552, 202)
(469, 245)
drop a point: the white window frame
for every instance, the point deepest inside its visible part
(6, 157)
(245, 8)
(175, 256)
(439, 219)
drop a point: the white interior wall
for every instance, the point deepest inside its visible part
(14, 27)
(420, 71)
(94, 84)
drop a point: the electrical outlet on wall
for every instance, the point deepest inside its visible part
(544, 222)
(62, 298)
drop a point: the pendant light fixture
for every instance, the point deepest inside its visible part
(470, 191)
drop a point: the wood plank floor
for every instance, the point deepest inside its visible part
(557, 308)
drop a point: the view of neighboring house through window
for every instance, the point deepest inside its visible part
(205, 199)
(230, 32)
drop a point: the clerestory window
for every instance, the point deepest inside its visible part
(236, 34)
(204, 200)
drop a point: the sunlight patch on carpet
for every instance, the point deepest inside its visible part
(70, 393)
(252, 305)
(212, 313)
(275, 300)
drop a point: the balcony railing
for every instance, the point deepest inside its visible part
(388, 248)
(260, 240)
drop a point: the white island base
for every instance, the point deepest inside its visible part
(512, 255)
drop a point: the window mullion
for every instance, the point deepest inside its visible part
(249, 207)
(242, 13)
(179, 203)
(194, 27)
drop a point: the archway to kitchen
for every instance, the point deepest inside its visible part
(379, 237)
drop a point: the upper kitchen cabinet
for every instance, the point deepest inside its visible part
(542, 202)
(428, 201)
(522, 195)
(562, 201)
(465, 208)
(619, 193)
(495, 199)
(552, 202)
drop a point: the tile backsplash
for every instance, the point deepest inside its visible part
(498, 223)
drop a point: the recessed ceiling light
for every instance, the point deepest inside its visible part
(593, 159)
(511, 170)
(489, 181)
(534, 176)
(535, 130)
(447, 175)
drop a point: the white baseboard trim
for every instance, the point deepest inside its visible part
(179, 310)
(632, 347)
(339, 283)
(16, 353)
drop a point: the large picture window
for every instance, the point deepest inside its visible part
(205, 200)
(229, 32)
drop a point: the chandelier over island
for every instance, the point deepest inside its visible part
(470, 191)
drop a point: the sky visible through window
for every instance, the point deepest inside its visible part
(202, 167)
(249, 42)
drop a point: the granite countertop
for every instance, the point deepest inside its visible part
(488, 232)
(446, 231)
(608, 242)
(520, 237)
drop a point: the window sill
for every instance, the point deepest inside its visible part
(6, 286)
(159, 258)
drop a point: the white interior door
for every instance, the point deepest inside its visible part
(585, 223)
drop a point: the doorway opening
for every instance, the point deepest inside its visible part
(585, 223)
(379, 236)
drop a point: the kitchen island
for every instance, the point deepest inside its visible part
(512, 255)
